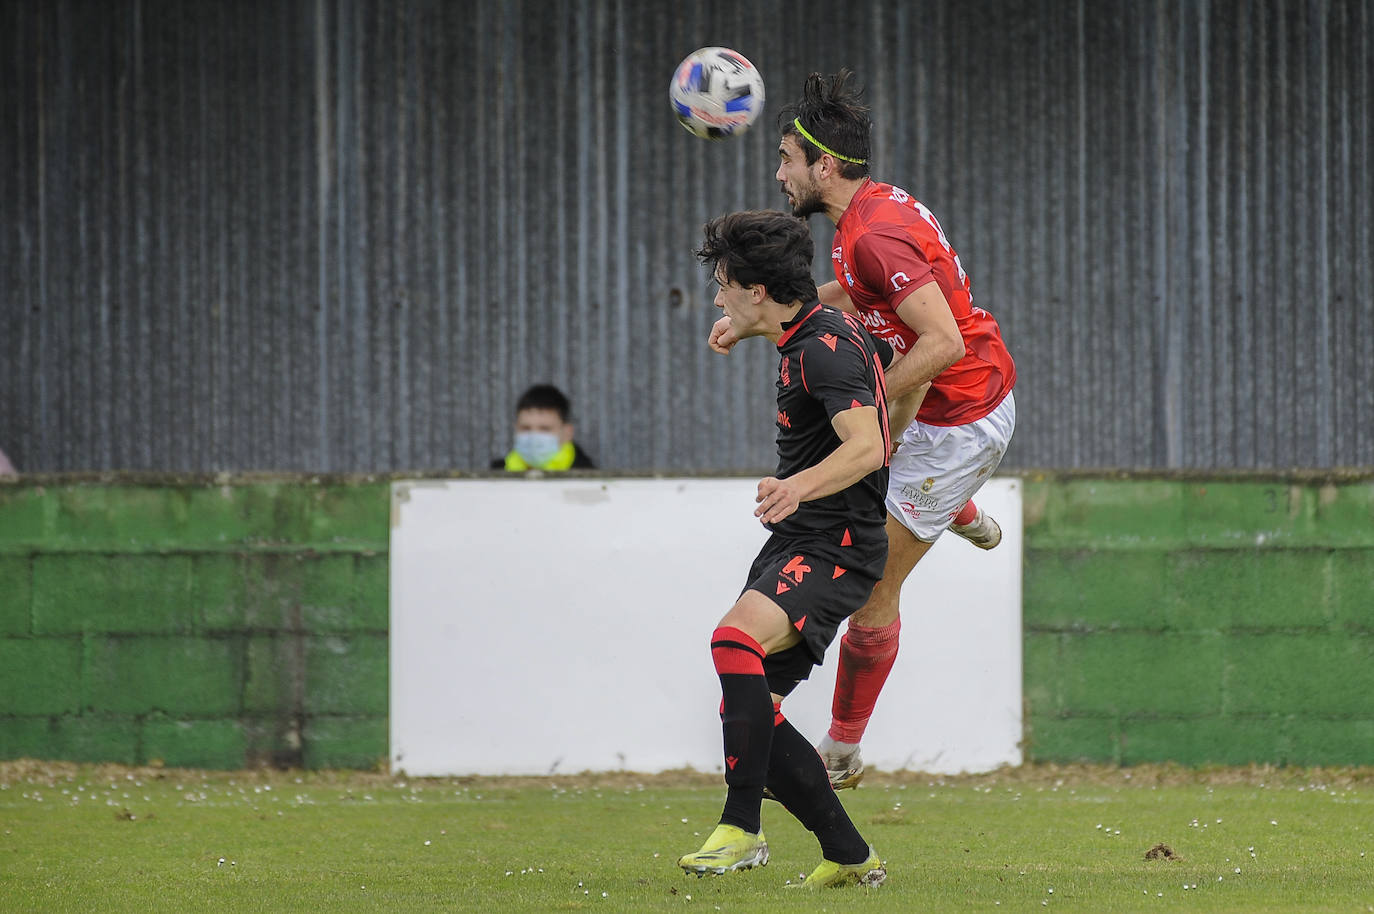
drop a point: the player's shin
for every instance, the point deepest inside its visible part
(746, 714)
(866, 658)
(797, 777)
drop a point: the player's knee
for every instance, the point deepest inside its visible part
(882, 608)
(876, 618)
(735, 651)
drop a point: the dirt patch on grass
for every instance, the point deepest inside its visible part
(1161, 852)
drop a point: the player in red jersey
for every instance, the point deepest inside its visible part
(950, 391)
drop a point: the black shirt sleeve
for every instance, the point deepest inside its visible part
(838, 378)
(884, 350)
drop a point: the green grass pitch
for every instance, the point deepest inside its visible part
(107, 839)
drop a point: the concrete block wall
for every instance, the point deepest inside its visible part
(202, 623)
(1200, 620)
(228, 623)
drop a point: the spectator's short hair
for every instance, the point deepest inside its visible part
(545, 396)
(762, 247)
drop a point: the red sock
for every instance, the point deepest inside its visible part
(866, 657)
(966, 514)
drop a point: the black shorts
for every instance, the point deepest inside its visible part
(819, 585)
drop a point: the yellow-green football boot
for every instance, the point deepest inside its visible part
(831, 875)
(728, 849)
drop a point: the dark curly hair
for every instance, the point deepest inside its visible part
(833, 112)
(765, 247)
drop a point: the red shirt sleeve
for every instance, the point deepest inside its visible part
(891, 264)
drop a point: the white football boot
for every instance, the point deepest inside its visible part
(983, 532)
(843, 762)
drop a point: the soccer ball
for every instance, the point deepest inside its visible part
(716, 93)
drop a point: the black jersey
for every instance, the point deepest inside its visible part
(828, 364)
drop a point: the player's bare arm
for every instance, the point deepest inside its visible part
(860, 452)
(901, 410)
(939, 344)
(834, 295)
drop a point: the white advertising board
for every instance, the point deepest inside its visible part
(562, 625)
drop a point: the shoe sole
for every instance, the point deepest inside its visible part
(845, 780)
(874, 878)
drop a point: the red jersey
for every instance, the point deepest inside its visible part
(886, 245)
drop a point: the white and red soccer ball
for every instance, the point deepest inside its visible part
(716, 93)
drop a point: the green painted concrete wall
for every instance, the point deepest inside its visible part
(206, 623)
(1201, 621)
(233, 623)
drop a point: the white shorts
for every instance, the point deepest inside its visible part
(938, 468)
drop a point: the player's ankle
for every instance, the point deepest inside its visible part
(835, 741)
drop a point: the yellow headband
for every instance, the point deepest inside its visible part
(796, 122)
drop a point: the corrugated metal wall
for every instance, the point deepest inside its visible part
(343, 236)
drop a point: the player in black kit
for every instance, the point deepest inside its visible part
(826, 513)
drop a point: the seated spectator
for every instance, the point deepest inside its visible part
(543, 434)
(7, 468)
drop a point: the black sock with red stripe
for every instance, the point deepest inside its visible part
(797, 777)
(746, 716)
